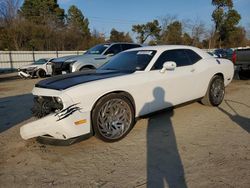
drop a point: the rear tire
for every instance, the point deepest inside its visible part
(215, 92)
(113, 117)
(41, 73)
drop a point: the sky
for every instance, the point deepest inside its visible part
(104, 15)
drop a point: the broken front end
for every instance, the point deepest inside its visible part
(57, 118)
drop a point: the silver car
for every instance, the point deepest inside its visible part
(97, 56)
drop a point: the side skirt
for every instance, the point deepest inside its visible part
(48, 140)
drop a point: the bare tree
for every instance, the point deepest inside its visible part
(198, 32)
(211, 37)
(248, 31)
(166, 20)
(8, 10)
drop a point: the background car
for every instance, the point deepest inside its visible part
(212, 54)
(40, 68)
(224, 53)
(58, 64)
(93, 58)
(106, 101)
(241, 60)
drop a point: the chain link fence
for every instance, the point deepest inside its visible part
(12, 60)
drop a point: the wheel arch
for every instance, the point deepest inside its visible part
(87, 66)
(206, 99)
(206, 86)
(41, 69)
(124, 93)
(219, 74)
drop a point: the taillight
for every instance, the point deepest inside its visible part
(234, 57)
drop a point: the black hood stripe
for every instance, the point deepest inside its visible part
(63, 82)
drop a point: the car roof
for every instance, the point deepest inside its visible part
(111, 43)
(161, 48)
(164, 47)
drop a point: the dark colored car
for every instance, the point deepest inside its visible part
(224, 53)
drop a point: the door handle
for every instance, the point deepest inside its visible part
(193, 69)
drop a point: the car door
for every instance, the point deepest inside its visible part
(49, 67)
(173, 86)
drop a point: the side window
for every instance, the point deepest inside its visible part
(114, 49)
(129, 46)
(193, 57)
(178, 56)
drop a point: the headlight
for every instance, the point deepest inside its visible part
(71, 66)
(58, 99)
(46, 105)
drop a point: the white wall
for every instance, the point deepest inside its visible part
(16, 59)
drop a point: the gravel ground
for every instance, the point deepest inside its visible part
(190, 146)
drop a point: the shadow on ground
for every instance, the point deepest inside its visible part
(9, 77)
(243, 122)
(164, 165)
(14, 110)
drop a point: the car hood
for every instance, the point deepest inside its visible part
(64, 58)
(86, 57)
(63, 82)
(30, 66)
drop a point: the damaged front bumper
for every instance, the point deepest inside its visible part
(23, 74)
(59, 117)
(61, 126)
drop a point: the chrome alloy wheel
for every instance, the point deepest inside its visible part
(217, 91)
(114, 118)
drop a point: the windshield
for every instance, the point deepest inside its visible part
(130, 61)
(40, 61)
(98, 49)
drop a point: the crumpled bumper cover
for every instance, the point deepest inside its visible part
(24, 74)
(59, 126)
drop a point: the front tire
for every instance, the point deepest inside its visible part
(113, 117)
(215, 92)
(41, 73)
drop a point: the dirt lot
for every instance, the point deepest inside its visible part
(191, 146)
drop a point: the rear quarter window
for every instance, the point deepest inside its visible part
(193, 56)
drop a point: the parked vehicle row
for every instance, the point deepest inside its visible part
(92, 59)
(102, 53)
(240, 58)
(106, 102)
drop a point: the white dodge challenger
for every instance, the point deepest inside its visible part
(105, 102)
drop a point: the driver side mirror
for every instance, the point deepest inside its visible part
(169, 65)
